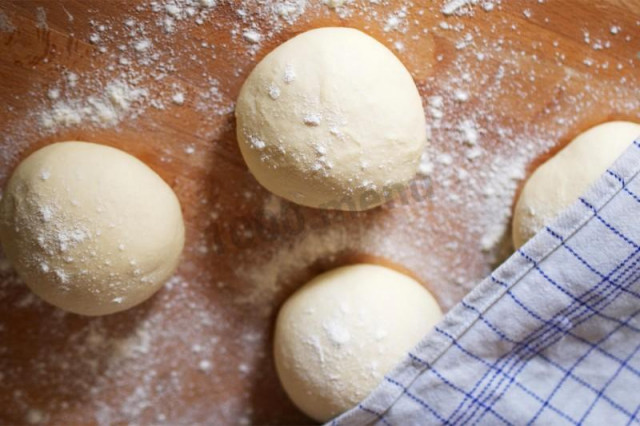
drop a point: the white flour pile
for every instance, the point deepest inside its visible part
(198, 352)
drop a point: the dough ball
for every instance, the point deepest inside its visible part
(89, 228)
(338, 335)
(331, 119)
(559, 182)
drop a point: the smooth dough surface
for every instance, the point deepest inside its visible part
(559, 182)
(339, 334)
(89, 228)
(331, 119)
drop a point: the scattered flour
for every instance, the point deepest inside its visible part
(41, 18)
(178, 98)
(252, 36)
(249, 249)
(118, 100)
(6, 26)
(454, 6)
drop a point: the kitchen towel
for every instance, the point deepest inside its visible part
(552, 337)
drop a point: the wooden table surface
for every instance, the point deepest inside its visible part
(505, 83)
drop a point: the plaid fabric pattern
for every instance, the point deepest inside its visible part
(552, 337)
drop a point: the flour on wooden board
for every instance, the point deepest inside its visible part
(144, 60)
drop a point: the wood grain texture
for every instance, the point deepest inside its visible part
(537, 77)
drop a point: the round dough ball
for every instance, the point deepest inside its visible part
(89, 228)
(559, 182)
(338, 335)
(331, 119)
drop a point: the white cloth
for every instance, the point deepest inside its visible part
(552, 337)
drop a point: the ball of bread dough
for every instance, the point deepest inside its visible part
(331, 119)
(89, 228)
(339, 334)
(559, 182)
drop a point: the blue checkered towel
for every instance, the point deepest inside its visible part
(552, 337)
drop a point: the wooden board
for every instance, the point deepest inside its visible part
(504, 84)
